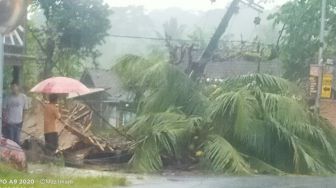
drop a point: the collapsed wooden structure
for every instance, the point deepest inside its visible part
(78, 121)
(76, 138)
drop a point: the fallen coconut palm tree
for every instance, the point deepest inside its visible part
(248, 124)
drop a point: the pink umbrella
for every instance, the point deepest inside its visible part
(60, 85)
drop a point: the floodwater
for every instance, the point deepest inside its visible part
(185, 180)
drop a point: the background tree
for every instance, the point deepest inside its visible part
(71, 29)
(32, 69)
(299, 40)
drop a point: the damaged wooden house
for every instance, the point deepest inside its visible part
(113, 105)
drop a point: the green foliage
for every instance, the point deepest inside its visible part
(267, 83)
(79, 25)
(69, 65)
(262, 120)
(7, 77)
(154, 80)
(159, 134)
(72, 30)
(300, 41)
(223, 156)
(250, 124)
(31, 74)
(131, 69)
(31, 69)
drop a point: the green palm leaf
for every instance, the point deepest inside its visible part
(146, 157)
(265, 82)
(154, 80)
(261, 167)
(165, 81)
(304, 160)
(292, 114)
(223, 157)
(251, 122)
(235, 113)
(157, 134)
(255, 116)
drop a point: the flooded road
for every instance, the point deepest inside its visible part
(237, 182)
(173, 180)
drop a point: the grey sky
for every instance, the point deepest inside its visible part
(185, 4)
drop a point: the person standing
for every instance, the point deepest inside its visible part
(15, 105)
(51, 115)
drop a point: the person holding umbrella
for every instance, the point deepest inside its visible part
(53, 87)
(51, 115)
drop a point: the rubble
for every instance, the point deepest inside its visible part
(76, 139)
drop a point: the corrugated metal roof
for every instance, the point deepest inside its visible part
(108, 80)
(240, 67)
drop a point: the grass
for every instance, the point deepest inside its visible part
(10, 178)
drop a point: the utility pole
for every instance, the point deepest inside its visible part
(221, 28)
(320, 56)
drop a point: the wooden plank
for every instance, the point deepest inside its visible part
(100, 146)
(87, 127)
(76, 118)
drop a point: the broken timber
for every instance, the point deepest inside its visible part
(79, 122)
(76, 140)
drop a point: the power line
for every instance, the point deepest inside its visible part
(181, 40)
(141, 37)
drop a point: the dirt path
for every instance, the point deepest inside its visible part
(328, 110)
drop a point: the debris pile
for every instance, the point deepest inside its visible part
(78, 121)
(76, 139)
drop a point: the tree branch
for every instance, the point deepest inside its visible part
(280, 35)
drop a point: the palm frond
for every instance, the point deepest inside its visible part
(261, 167)
(157, 134)
(168, 87)
(295, 117)
(265, 82)
(255, 117)
(304, 160)
(131, 68)
(260, 115)
(160, 85)
(237, 116)
(146, 157)
(223, 157)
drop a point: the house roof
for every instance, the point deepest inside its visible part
(108, 80)
(239, 67)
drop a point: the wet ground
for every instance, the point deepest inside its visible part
(188, 180)
(237, 182)
(328, 109)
